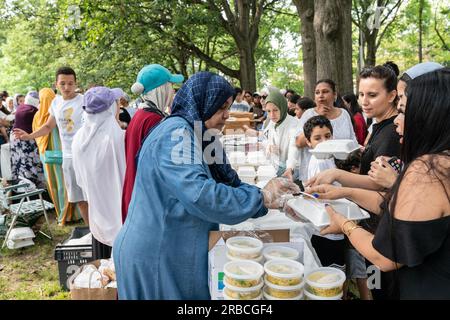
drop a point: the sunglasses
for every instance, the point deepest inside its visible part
(264, 97)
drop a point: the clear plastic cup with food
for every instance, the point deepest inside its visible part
(325, 282)
(244, 247)
(259, 259)
(283, 292)
(280, 252)
(243, 273)
(310, 296)
(239, 293)
(284, 272)
(268, 296)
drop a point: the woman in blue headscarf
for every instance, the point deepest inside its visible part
(184, 188)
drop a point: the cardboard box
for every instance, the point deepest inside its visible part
(217, 253)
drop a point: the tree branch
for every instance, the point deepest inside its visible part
(446, 47)
(387, 27)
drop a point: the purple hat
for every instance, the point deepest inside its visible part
(32, 99)
(99, 99)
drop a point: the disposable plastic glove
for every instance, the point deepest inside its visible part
(275, 190)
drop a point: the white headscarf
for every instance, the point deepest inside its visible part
(99, 163)
(161, 97)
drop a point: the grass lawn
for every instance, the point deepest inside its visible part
(31, 273)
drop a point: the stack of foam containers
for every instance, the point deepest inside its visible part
(20, 237)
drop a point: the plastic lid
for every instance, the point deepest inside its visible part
(284, 288)
(226, 297)
(243, 289)
(269, 297)
(244, 244)
(280, 252)
(266, 171)
(243, 270)
(284, 268)
(326, 277)
(259, 259)
(314, 297)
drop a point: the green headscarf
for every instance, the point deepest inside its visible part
(280, 101)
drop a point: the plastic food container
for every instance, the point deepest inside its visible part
(280, 252)
(268, 296)
(240, 293)
(257, 158)
(340, 149)
(325, 282)
(266, 173)
(258, 259)
(284, 272)
(227, 297)
(314, 210)
(247, 174)
(244, 247)
(283, 292)
(243, 273)
(310, 296)
(237, 157)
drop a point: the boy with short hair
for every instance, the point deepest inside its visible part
(330, 248)
(318, 129)
(66, 113)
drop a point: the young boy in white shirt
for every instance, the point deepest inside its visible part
(66, 113)
(330, 248)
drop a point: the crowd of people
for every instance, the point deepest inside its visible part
(138, 173)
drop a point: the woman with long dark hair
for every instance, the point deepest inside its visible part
(413, 235)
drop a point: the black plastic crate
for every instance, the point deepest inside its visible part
(71, 257)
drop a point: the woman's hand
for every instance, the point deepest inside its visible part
(274, 191)
(21, 134)
(336, 222)
(325, 177)
(327, 191)
(382, 173)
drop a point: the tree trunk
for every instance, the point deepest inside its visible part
(305, 10)
(371, 54)
(248, 69)
(421, 5)
(332, 27)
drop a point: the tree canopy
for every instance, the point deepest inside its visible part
(252, 43)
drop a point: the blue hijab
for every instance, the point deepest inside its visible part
(198, 100)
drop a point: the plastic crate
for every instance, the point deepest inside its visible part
(71, 257)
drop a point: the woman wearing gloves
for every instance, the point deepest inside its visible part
(180, 195)
(281, 132)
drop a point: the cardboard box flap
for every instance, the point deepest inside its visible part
(280, 235)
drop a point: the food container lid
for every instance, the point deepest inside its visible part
(244, 244)
(284, 268)
(339, 148)
(258, 259)
(329, 278)
(266, 171)
(314, 297)
(284, 288)
(280, 252)
(267, 296)
(226, 297)
(243, 270)
(243, 289)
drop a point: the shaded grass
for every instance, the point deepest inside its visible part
(31, 273)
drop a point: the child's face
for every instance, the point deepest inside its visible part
(319, 135)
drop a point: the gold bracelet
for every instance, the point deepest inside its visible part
(343, 226)
(349, 231)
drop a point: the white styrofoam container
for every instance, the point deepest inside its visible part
(339, 148)
(314, 210)
(21, 233)
(17, 244)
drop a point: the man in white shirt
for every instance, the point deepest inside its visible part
(239, 104)
(66, 113)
